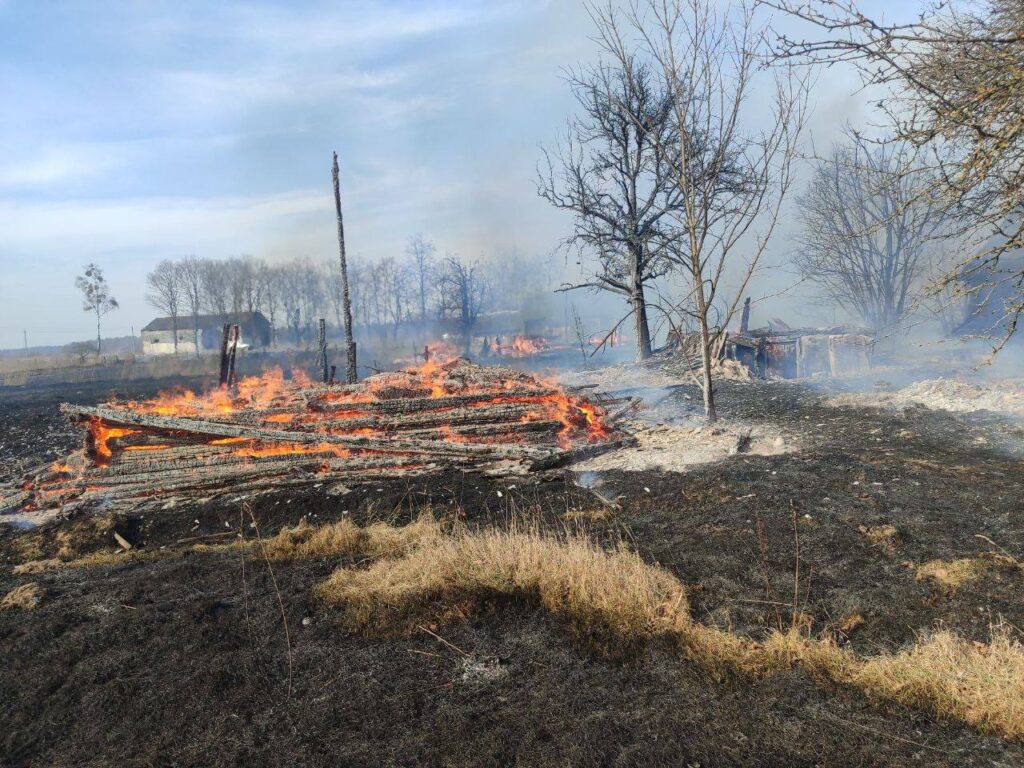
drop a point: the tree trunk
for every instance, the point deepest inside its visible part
(643, 332)
(350, 347)
(639, 303)
(174, 330)
(707, 383)
(98, 340)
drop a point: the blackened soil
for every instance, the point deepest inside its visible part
(185, 660)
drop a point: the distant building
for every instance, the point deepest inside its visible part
(158, 336)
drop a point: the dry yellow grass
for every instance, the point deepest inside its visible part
(615, 601)
(25, 597)
(885, 537)
(594, 515)
(850, 623)
(608, 598)
(979, 683)
(301, 542)
(37, 566)
(306, 541)
(953, 573)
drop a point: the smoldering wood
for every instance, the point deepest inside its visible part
(489, 420)
(225, 340)
(121, 417)
(411, 405)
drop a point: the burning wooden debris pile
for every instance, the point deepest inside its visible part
(268, 432)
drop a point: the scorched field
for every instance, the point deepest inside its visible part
(474, 566)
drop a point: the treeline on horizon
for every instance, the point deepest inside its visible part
(415, 288)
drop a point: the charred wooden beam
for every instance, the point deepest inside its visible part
(174, 424)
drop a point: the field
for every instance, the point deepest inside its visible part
(216, 641)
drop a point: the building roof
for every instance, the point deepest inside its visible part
(243, 319)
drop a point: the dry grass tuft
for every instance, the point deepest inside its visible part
(37, 566)
(25, 597)
(305, 541)
(612, 600)
(595, 515)
(953, 573)
(822, 658)
(302, 542)
(850, 623)
(981, 684)
(885, 537)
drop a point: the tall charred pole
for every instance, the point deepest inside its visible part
(350, 345)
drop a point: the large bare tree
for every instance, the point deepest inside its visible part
(611, 174)
(868, 231)
(190, 278)
(163, 293)
(729, 159)
(216, 286)
(951, 83)
(270, 295)
(464, 292)
(420, 253)
(243, 284)
(96, 297)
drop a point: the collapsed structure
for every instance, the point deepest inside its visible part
(790, 353)
(268, 432)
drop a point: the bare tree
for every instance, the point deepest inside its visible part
(164, 293)
(291, 285)
(519, 277)
(359, 290)
(243, 287)
(729, 177)
(867, 231)
(270, 293)
(953, 86)
(612, 175)
(420, 253)
(215, 286)
(96, 296)
(394, 286)
(463, 292)
(190, 279)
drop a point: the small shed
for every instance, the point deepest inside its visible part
(801, 352)
(166, 335)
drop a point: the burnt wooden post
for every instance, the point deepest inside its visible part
(426, 353)
(322, 338)
(232, 379)
(224, 354)
(350, 345)
(745, 317)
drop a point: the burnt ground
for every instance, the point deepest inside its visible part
(184, 661)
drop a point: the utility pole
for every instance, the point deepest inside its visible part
(24, 334)
(350, 345)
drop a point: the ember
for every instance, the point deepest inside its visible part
(274, 433)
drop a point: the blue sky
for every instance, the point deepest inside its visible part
(135, 131)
